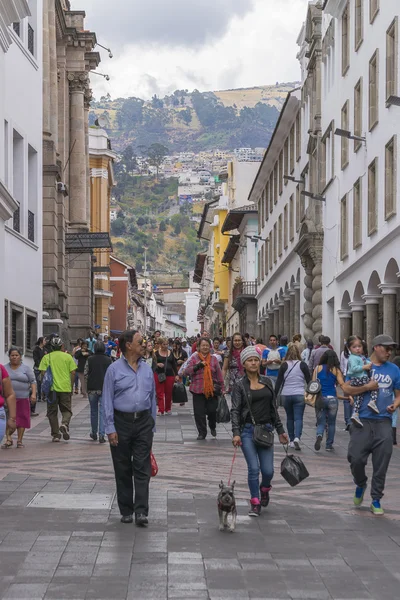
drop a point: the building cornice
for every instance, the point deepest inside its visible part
(335, 7)
(10, 12)
(7, 203)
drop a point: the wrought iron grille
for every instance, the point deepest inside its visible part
(31, 226)
(17, 28)
(31, 39)
(16, 220)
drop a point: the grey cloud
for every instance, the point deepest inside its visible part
(189, 23)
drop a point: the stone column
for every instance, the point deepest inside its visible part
(308, 296)
(389, 292)
(270, 326)
(78, 159)
(357, 310)
(292, 298)
(281, 306)
(297, 319)
(276, 321)
(345, 325)
(372, 312)
(286, 317)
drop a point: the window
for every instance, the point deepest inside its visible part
(17, 28)
(358, 23)
(266, 257)
(30, 331)
(291, 217)
(357, 214)
(17, 326)
(32, 191)
(262, 265)
(345, 141)
(286, 159)
(344, 246)
(297, 208)
(390, 177)
(285, 227)
(346, 40)
(281, 173)
(266, 198)
(391, 60)
(6, 320)
(327, 157)
(280, 235)
(372, 197)
(271, 194)
(31, 39)
(373, 90)
(373, 10)
(276, 183)
(298, 136)
(261, 207)
(358, 110)
(275, 242)
(6, 154)
(270, 257)
(292, 149)
(17, 220)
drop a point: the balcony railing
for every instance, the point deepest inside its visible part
(243, 293)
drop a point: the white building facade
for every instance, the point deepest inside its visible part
(360, 85)
(20, 174)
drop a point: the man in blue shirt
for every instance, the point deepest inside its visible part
(129, 398)
(272, 358)
(109, 344)
(375, 436)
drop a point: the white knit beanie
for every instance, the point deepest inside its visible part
(249, 352)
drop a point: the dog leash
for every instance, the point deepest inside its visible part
(233, 462)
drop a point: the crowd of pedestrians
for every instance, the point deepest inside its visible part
(126, 395)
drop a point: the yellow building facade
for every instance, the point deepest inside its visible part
(101, 184)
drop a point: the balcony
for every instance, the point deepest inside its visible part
(244, 292)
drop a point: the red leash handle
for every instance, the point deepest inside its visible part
(233, 462)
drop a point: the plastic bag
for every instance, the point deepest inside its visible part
(223, 413)
(154, 465)
(179, 394)
(293, 470)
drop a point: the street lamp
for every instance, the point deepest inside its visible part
(106, 77)
(347, 134)
(313, 196)
(110, 54)
(290, 178)
(393, 101)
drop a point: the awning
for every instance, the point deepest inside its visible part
(199, 267)
(231, 250)
(87, 242)
(235, 217)
(204, 221)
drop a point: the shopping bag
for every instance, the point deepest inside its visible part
(154, 465)
(223, 413)
(47, 381)
(293, 470)
(179, 394)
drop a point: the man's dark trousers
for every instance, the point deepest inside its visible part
(376, 438)
(132, 458)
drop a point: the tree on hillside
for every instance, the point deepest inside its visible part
(156, 155)
(157, 102)
(130, 113)
(185, 115)
(177, 229)
(118, 227)
(162, 226)
(129, 159)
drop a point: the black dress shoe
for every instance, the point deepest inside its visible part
(214, 432)
(127, 519)
(201, 437)
(141, 520)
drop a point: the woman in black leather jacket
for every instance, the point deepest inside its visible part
(257, 391)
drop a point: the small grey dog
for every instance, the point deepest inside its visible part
(226, 506)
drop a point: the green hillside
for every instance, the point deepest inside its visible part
(194, 121)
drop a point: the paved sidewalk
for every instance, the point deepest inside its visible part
(309, 544)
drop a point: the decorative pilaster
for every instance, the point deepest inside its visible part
(270, 325)
(281, 330)
(389, 292)
(297, 324)
(276, 321)
(310, 248)
(345, 319)
(372, 314)
(78, 159)
(357, 311)
(286, 317)
(292, 299)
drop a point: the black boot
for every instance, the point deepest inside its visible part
(394, 431)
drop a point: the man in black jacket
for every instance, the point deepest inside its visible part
(95, 371)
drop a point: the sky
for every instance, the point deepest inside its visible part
(159, 46)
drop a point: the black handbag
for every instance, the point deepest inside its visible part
(179, 394)
(263, 436)
(293, 470)
(163, 376)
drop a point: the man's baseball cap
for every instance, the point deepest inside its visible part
(383, 340)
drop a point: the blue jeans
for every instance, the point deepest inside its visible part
(3, 422)
(96, 413)
(257, 459)
(347, 409)
(294, 407)
(328, 413)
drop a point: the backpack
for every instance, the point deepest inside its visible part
(47, 381)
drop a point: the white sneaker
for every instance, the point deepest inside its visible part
(296, 444)
(372, 405)
(291, 444)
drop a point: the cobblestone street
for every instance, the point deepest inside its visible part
(309, 543)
